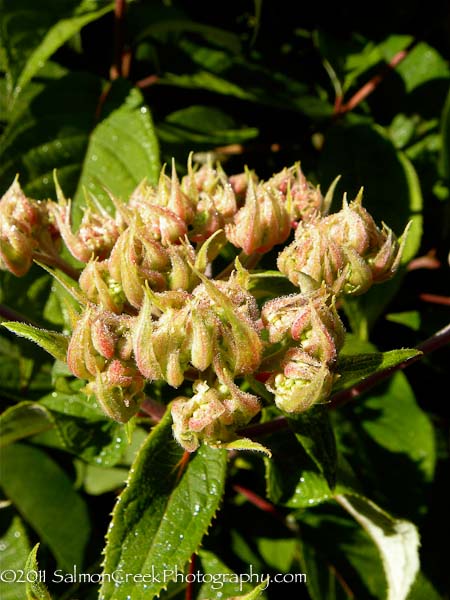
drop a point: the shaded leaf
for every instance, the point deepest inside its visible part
(397, 542)
(445, 130)
(83, 429)
(226, 584)
(23, 420)
(14, 550)
(53, 342)
(354, 368)
(163, 514)
(50, 131)
(36, 589)
(44, 494)
(31, 34)
(292, 477)
(314, 432)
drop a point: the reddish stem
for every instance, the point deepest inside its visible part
(147, 81)
(439, 339)
(119, 38)
(341, 107)
(10, 314)
(190, 586)
(257, 501)
(435, 299)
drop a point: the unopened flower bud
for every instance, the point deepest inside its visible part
(25, 231)
(302, 382)
(235, 314)
(100, 288)
(96, 235)
(303, 200)
(212, 415)
(262, 222)
(346, 250)
(308, 318)
(118, 391)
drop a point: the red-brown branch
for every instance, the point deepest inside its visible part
(341, 107)
(119, 38)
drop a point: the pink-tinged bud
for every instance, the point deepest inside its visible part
(346, 250)
(212, 196)
(100, 288)
(262, 222)
(303, 381)
(240, 183)
(313, 253)
(98, 337)
(25, 231)
(303, 200)
(82, 358)
(212, 415)
(308, 318)
(96, 235)
(135, 259)
(161, 223)
(181, 275)
(385, 263)
(235, 313)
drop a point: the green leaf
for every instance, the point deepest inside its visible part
(397, 542)
(354, 368)
(53, 342)
(50, 131)
(44, 495)
(350, 567)
(203, 125)
(163, 514)
(31, 34)
(445, 130)
(393, 419)
(314, 432)
(408, 318)
(422, 65)
(14, 550)
(256, 593)
(221, 581)
(278, 554)
(123, 150)
(83, 429)
(246, 444)
(23, 420)
(293, 479)
(36, 589)
(98, 480)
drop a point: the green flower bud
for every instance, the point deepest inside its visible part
(302, 382)
(118, 391)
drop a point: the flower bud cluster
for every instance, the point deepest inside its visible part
(346, 250)
(150, 314)
(312, 333)
(25, 231)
